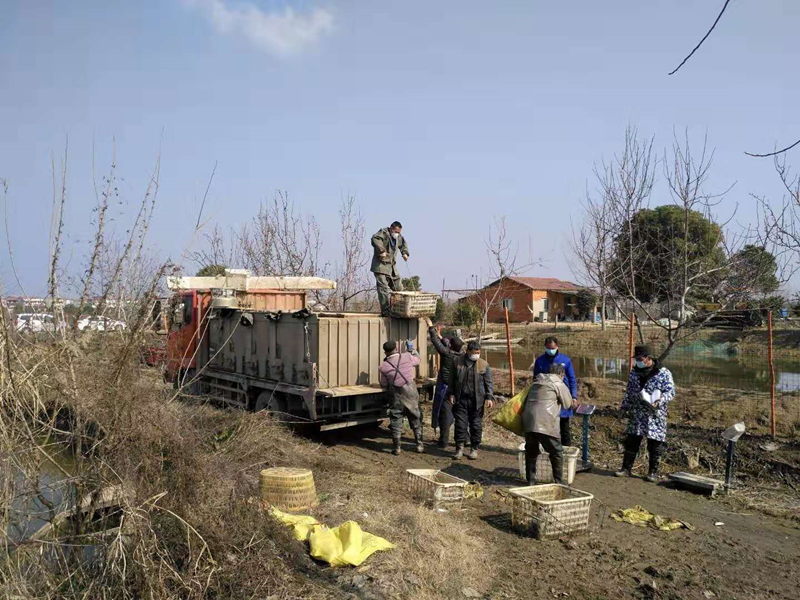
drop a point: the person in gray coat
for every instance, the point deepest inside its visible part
(541, 420)
(386, 245)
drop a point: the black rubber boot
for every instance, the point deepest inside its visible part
(652, 473)
(444, 437)
(557, 462)
(459, 452)
(396, 449)
(628, 458)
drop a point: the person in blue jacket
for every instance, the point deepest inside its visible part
(542, 365)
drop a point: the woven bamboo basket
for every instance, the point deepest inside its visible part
(287, 489)
(411, 305)
(436, 489)
(550, 511)
(544, 470)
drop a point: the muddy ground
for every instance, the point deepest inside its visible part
(746, 545)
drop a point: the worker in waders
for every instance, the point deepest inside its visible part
(386, 245)
(442, 412)
(397, 378)
(471, 390)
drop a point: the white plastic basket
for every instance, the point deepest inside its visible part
(436, 489)
(544, 470)
(550, 511)
(411, 305)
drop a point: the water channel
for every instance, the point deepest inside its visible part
(688, 368)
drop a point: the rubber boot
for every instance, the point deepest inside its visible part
(473, 453)
(557, 463)
(652, 473)
(628, 458)
(444, 437)
(459, 452)
(418, 439)
(396, 449)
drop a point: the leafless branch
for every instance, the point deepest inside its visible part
(705, 37)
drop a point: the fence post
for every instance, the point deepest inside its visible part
(630, 341)
(508, 347)
(771, 376)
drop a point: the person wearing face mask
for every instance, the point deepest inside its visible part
(386, 245)
(542, 364)
(471, 391)
(442, 412)
(650, 390)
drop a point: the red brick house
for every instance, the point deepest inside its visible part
(529, 299)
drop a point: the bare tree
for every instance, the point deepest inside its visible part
(281, 241)
(216, 251)
(350, 272)
(502, 254)
(780, 225)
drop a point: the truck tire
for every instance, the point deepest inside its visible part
(273, 402)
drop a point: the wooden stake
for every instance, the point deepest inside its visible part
(771, 376)
(508, 347)
(630, 341)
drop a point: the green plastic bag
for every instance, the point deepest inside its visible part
(510, 416)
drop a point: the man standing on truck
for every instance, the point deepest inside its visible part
(471, 390)
(442, 412)
(386, 244)
(397, 378)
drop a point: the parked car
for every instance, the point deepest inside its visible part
(36, 322)
(100, 324)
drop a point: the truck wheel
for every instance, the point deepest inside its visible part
(273, 402)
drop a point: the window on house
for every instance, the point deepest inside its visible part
(546, 304)
(508, 303)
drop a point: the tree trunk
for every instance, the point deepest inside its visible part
(603, 310)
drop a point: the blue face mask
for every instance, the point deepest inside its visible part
(551, 351)
(640, 364)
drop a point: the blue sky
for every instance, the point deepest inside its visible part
(438, 114)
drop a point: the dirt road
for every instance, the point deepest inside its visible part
(730, 554)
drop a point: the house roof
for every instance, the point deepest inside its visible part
(549, 284)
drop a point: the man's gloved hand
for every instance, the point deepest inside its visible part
(405, 257)
(384, 254)
(410, 345)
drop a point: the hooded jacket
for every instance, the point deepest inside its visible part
(547, 396)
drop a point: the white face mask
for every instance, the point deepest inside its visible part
(395, 235)
(473, 357)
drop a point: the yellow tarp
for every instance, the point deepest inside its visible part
(346, 545)
(644, 518)
(510, 416)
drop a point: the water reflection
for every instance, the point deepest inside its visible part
(688, 368)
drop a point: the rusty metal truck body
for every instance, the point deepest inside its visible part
(264, 350)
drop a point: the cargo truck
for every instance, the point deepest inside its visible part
(255, 343)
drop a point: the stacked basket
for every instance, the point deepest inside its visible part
(287, 489)
(544, 469)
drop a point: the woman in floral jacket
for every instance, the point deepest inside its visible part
(648, 419)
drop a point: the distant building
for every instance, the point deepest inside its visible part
(528, 299)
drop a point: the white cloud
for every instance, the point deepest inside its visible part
(287, 32)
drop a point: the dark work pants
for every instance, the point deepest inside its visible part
(566, 433)
(552, 446)
(469, 422)
(632, 444)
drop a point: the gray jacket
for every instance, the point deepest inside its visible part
(382, 242)
(542, 409)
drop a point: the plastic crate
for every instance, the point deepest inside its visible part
(411, 305)
(436, 489)
(550, 511)
(544, 470)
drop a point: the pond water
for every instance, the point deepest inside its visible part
(688, 368)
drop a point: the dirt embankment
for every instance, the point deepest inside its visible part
(786, 337)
